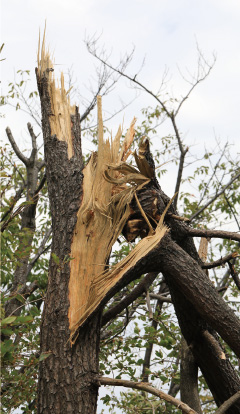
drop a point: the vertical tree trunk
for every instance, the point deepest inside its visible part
(67, 376)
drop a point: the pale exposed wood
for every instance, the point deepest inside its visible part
(108, 188)
(61, 110)
(109, 185)
(88, 283)
(203, 249)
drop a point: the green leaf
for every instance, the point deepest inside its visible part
(24, 319)
(7, 331)
(8, 320)
(44, 356)
(55, 258)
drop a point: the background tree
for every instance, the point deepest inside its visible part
(131, 344)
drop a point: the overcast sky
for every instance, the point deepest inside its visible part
(164, 32)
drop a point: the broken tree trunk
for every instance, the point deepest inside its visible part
(89, 208)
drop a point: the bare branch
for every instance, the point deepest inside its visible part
(14, 214)
(174, 216)
(149, 347)
(14, 200)
(149, 305)
(218, 234)
(234, 274)
(215, 197)
(214, 173)
(232, 208)
(160, 298)
(34, 143)
(41, 184)
(206, 69)
(220, 261)
(91, 45)
(92, 49)
(228, 403)
(143, 386)
(15, 148)
(40, 165)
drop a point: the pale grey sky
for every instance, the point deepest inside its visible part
(163, 31)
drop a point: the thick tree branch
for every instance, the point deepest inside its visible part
(219, 234)
(15, 148)
(190, 279)
(189, 377)
(227, 404)
(143, 386)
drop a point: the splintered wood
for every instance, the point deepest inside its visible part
(109, 185)
(108, 188)
(61, 110)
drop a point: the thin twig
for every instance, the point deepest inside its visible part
(215, 197)
(149, 305)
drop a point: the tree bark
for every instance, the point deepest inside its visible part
(189, 378)
(67, 375)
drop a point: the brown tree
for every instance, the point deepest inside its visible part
(90, 206)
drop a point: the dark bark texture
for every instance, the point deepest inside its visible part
(189, 378)
(67, 376)
(199, 308)
(28, 221)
